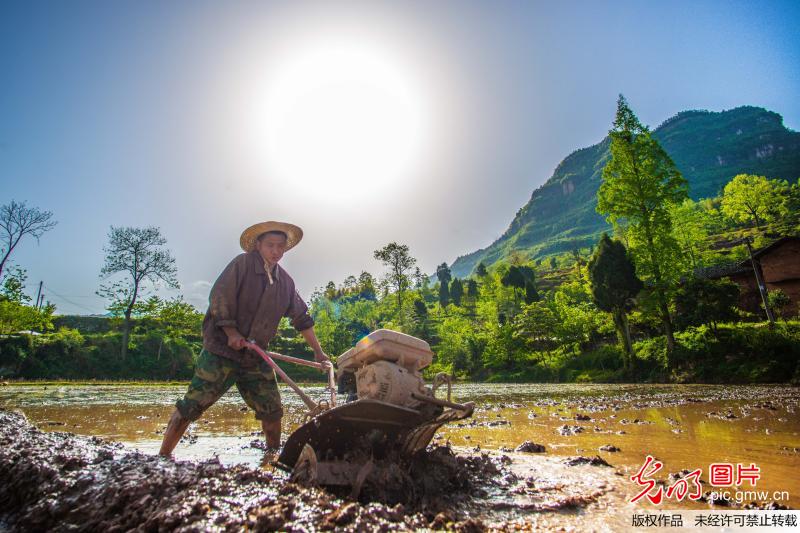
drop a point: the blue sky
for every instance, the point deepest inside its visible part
(151, 113)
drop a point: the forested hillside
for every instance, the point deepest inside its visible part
(709, 148)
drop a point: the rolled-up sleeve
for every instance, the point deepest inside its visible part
(298, 313)
(222, 302)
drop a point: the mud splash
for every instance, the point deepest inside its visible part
(560, 487)
(57, 482)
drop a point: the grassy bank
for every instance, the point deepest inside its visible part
(71, 357)
(733, 353)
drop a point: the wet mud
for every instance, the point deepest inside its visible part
(58, 481)
(540, 457)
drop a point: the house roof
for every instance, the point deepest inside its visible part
(729, 269)
(777, 244)
(720, 271)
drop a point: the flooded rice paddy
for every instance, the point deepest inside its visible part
(684, 426)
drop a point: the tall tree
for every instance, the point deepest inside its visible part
(690, 223)
(420, 314)
(529, 276)
(399, 261)
(140, 255)
(330, 291)
(366, 286)
(444, 294)
(420, 279)
(18, 220)
(614, 286)
(521, 277)
(640, 184)
(456, 291)
(350, 284)
(480, 270)
(706, 301)
(748, 198)
(531, 293)
(472, 288)
(444, 275)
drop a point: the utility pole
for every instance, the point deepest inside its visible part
(762, 287)
(39, 294)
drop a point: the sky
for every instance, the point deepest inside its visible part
(424, 123)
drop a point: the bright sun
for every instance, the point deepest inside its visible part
(342, 119)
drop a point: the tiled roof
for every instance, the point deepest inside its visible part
(776, 244)
(720, 271)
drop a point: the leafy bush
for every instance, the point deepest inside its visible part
(740, 353)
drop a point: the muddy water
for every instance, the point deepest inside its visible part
(685, 427)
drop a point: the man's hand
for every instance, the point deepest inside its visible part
(235, 339)
(322, 357)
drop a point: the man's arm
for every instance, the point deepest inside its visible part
(311, 338)
(302, 322)
(222, 303)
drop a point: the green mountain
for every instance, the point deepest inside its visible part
(709, 148)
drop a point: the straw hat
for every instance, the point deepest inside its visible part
(248, 239)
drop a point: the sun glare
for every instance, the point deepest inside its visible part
(341, 119)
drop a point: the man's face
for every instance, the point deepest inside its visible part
(271, 247)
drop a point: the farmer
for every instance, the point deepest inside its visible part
(247, 301)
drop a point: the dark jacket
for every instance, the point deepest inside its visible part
(244, 298)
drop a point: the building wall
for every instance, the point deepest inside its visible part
(781, 268)
(782, 264)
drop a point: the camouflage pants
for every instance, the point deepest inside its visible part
(214, 375)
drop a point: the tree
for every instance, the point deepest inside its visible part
(366, 286)
(521, 277)
(535, 325)
(350, 284)
(14, 286)
(578, 317)
(531, 293)
(420, 279)
(456, 292)
(399, 261)
(422, 328)
(480, 270)
(16, 316)
(640, 184)
(444, 294)
(749, 198)
(444, 275)
(15, 313)
(690, 221)
(140, 255)
(704, 301)
(330, 291)
(18, 220)
(614, 286)
(172, 320)
(471, 294)
(553, 262)
(513, 277)
(472, 288)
